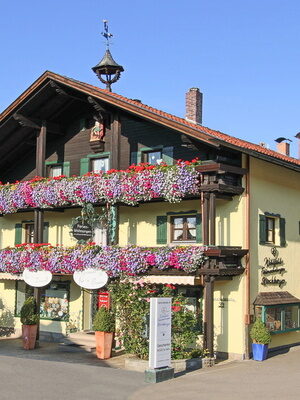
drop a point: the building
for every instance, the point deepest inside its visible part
(245, 211)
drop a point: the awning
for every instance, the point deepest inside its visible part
(12, 277)
(273, 298)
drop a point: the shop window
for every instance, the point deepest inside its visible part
(183, 228)
(54, 300)
(280, 318)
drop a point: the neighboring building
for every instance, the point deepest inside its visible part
(248, 199)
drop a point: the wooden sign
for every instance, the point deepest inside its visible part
(82, 231)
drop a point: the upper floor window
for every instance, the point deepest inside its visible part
(153, 157)
(270, 230)
(29, 233)
(99, 164)
(55, 170)
(183, 228)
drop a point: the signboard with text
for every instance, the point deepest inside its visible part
(160, 332)
(82, 231)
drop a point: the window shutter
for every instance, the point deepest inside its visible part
(262, 229)
(66, 168)
(161, 229)
(18, 234)
(84, 166)
(282, 232)
(199, 228)
(168, 155)
(46, 232)
(133, 157)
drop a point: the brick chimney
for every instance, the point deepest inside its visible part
(193, 106)
(283, 148)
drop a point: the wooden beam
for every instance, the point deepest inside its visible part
(25, 121)
(205, 219)
(96, 105)
(59, 90)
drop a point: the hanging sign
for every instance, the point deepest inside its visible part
(160, 332)
(37, 278)
(91, 278)
(82, 231)
(103, 299)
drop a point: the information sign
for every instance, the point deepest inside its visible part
(160, 332)
(82, 231)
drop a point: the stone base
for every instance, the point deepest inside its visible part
(51, 336)
(184, 365)
(159, 375)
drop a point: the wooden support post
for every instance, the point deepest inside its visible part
(205, 219)
(212, 219)
(209, 315)
(39, 214)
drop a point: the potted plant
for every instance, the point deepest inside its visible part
(29, 319)
(261, 338)
(104, 327)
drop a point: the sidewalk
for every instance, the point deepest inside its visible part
(277, 378)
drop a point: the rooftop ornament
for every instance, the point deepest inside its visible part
(107, 70)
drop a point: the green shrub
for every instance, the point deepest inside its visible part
(104, 320)
(259, 333)
(29, 315)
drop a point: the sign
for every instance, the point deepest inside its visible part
(91, 278)
(273, 266)
(37, 278)
(160, 332)
(82, 231)
(103, 299)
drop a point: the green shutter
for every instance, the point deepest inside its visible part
(161, 229)
(199, 228)
(66, 168)
(46, 232)
(82, 124)
(167, 155)
(262, 229)
(133, 157)
(282, 232)
(18, 234)
(84, 166)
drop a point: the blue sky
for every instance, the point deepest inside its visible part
(243, 55)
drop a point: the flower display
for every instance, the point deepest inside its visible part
(116, 261)
(138, 183)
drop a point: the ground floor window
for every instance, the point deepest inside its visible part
(280, 318)
(54, 299)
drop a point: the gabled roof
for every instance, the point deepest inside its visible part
(180, 124)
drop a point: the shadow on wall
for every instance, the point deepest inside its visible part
(7, 321)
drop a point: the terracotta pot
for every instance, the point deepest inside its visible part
(104, 342)
(29, 336)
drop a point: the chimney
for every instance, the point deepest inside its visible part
(283, 148)
(193, 106)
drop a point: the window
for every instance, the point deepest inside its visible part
(55, 170)
(29, 233)
(99, 164)
(153, 157)
(280, 318)
(183, 228)
(54, 299)
(270, 230)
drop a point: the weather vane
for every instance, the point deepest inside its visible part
(106, 34)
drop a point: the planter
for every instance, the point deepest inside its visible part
(29, 336)
(259, 351)
(104, 342)
(183, 365)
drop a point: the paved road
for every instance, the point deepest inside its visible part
(275, 378)
(48, 374)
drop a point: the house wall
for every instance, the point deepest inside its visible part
(277, 190)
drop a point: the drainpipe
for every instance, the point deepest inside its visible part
(247, 266)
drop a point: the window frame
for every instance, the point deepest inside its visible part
(272, 230)
(184, 228)
(92, 159)
(145, 155)
(283, 311)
